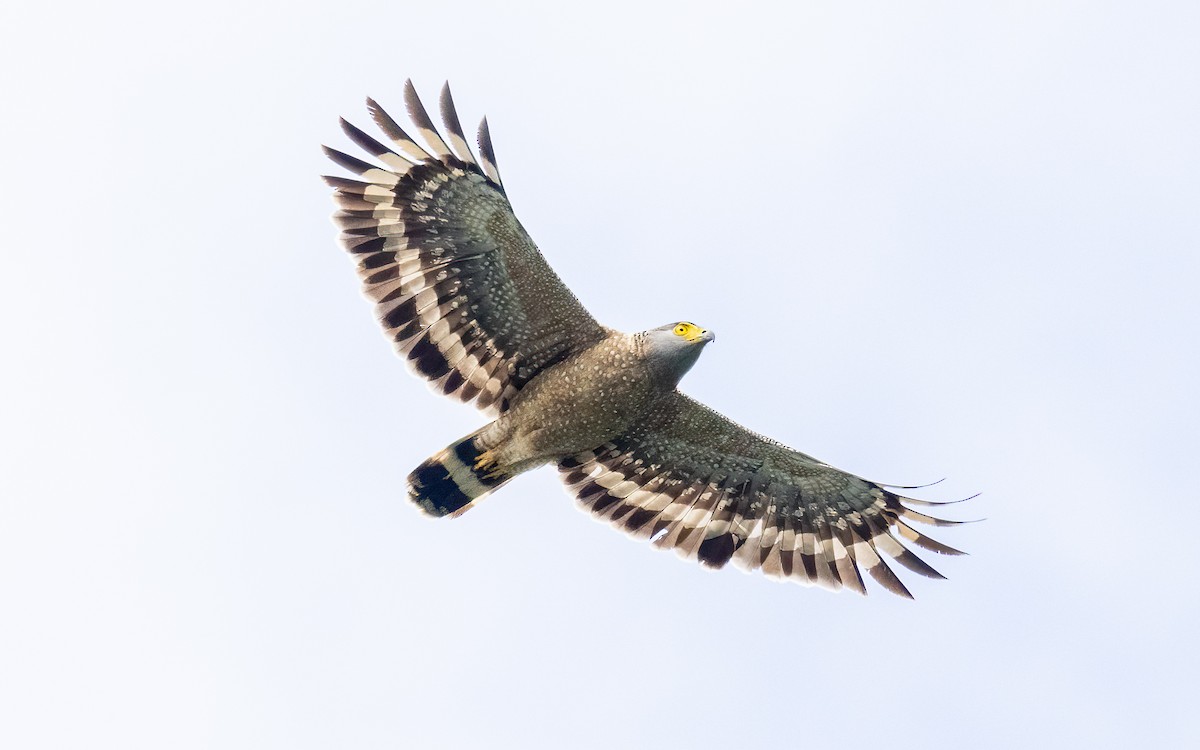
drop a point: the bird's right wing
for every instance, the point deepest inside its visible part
(458, 285)
(687, 478)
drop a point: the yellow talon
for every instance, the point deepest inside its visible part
(485, 466)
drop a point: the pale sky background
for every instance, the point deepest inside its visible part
(936, 240)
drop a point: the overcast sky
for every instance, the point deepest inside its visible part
(935, 240)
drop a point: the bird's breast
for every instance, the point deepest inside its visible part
(581, 403)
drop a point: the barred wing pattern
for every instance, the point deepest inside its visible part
(690, 479)
(458, 285)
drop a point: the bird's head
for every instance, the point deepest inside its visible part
(672, 349)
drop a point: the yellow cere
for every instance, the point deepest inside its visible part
(689, 331)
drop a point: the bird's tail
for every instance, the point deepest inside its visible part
(451, 480)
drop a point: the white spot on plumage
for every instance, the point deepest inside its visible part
(652, 501)
(673, 512)
(398, 164)
(697, 518)
(381, 177)
(623, 489)
(438, 330)
(378, 194)
(385, 211)
(716, 528)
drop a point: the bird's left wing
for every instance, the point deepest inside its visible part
(687, 478)
(458, 285)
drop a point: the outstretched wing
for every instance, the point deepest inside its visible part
(687, 478)
(458, 285)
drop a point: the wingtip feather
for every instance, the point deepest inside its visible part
(487, 153)
(458, 142)
(425, 126)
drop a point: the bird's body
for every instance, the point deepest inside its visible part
(574, 410)
(467, 298)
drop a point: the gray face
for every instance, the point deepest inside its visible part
(673, 349)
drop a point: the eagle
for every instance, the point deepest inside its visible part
(468, 300)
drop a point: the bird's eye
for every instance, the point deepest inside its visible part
(681, 330)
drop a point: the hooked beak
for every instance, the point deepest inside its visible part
(704, 337)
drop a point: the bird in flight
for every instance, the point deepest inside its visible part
(467, 299)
